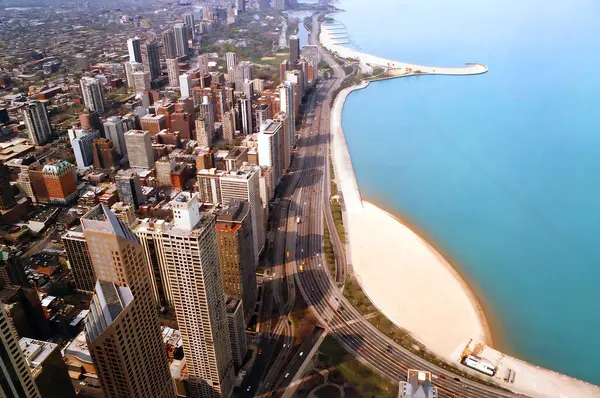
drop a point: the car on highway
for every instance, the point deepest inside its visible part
(443, 377)
(362, 350)
(248, 389)
(260, 351)
(456, 379)
(286, 375)
(301, 353)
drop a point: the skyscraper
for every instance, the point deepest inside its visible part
(243, 72)
(134, 47)
(139, 148)
(229, 126)
(130, 68)
(245, 106)
(129, 188)
(7, 195)
(169, 44)
(270, 150)
(203, 64)
(190, 23)
(234, 238)
(141, 81)
(237, 334)
(122, 329)
(37, 122)
(286, 95)
(115, 129)
(16, 380)
(93, 96)
(181, 39)
(244, 184)
(173, 72)
(151, 59)
(104, 154)
(81, 142)
(60, 181)
(190, 250)
(80, 261)
(294, 50)
(240, 5)
(231, 60)
(185, 84)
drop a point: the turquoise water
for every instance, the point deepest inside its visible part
(500, 171)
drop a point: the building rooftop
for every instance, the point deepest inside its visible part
(36, 351)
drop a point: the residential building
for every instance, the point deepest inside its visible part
(60, 181)
(151, 59)
(234, 238)
(37, 122)
(49, 371)
(181, 39)
(93, 95)
(173, 71)
(7, 195)
(231, 61)
(114, 129)
(191, 254)
(209, 185)
(286, 95)
(81, 141)
(244, 184)
(185, 84)
(228, 126)
(139, 148)
(294, 50)
(104, 154)
(203, 64)
(245, 106)
(164, 166)
(190, 23)
(129, 188)
(236, 326)
(122, 329)
(270, 148)
(153, 124)
(169, 44)
(141, 81)
(134, 47)
(183, 122)
(243, 72)
(79, 260)
(17, 380)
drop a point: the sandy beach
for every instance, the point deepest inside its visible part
(418, 289)
(408, 280)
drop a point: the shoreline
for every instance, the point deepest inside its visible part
(463, 304)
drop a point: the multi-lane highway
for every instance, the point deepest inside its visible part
(317, 286)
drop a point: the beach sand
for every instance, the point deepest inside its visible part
(405, 277)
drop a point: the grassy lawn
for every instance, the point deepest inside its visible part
(360, 377)
(329, 255)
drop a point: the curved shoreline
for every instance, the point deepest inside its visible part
(354, 205)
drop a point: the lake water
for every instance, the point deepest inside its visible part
(500, 171)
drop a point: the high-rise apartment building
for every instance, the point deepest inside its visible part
(270, 148)
(130, 68)
(228, 126)
(245, 107)
(93, 95)
(185, 84)
(204, 133)
(243, 72)
(16, 379)
(234, 238)
(206, 110)
(169, 44)
(60, 180)
(139, 148)
(173, 71)
(114, 129)
(286, 147)
(181, 39)
(81, 142)
(134, 47)
(80, 261)
(122, 329)
(294, 50)
(236, 325)
(7, 195)
(190, 23)
(203, 64)
(209, 185)
(141, 81)
(154, 124)
(244, 184)
(287, 105)
(37, 122)
(151, 59)
(191, 254)
(49, 371)
(231, 60)
(129, 188)
(104, 154)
